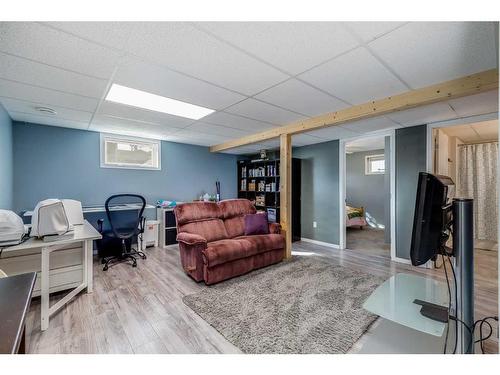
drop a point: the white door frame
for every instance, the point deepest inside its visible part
(342, 186)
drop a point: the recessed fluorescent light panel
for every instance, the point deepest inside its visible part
(142, 99)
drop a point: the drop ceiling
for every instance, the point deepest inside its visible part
(476, 132)
(365, 144)
(256, 76)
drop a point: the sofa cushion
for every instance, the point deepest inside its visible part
(256, 224)
(223, 251)
(236, 207)
(265, 242)
(196, 211)
(233, 212)
(210, 230)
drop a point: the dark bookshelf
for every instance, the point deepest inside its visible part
(259, 182)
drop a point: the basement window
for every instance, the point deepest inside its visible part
(375, 164)
(130, 152)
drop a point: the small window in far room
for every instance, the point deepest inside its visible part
(375, 164)
(129, 152)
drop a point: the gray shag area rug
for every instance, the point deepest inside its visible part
(305, 305)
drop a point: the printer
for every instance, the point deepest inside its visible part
(12, 228)
(53, 218)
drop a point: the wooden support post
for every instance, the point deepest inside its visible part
(444, 91)
(286, 191)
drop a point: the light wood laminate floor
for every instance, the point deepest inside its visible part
(140, 310)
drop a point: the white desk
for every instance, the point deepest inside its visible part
(393, 300)
(119, 207)
(86, 234)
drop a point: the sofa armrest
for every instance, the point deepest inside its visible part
(274, 228)
(191, 238)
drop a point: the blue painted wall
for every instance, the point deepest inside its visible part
(411, 151)
(65, 163)
(364, 190)
(319, 191)
(6, 161)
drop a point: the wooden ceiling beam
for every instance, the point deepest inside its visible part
(464, 86)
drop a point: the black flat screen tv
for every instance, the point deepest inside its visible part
(432, 218)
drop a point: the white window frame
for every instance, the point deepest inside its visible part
(367, 163)
(116, 137)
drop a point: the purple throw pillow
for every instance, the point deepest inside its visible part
(256, 224)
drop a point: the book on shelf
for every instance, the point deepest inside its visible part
(271, 170)
(251, 185)
(257, 172)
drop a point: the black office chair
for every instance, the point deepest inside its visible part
(126, 224)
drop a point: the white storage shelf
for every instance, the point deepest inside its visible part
(168, 229)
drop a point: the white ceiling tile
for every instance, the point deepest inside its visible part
(369, 31)
(142, 115)
(264, 112)
(14, 105)
(238, 122)
(333, 132)
(356, 77)
(465, 132)
(47, 120)
(366, 144)
(189, 141)
(291, 46)
(118, 121)
(302, 98)
(49, 97)
(426, 53)
(371, 125)
(161, 81)
(131, 128)
(423, 115)
(479, 104)
(186, 49)
(305, 139)
(112, 34)
(205, 128)
(193, 137)
(44, 44)
(37, 74)
(487, 130)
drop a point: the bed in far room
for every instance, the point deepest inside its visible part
(355, 217)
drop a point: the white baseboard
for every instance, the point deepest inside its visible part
(327, 244)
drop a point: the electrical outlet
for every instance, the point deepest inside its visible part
(315, 224)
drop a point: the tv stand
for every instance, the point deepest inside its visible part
(421, 303)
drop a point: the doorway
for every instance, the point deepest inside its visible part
(367, 201)
(468, 153)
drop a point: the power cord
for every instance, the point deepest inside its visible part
(471, 330)
(456, 301)
(443, 263)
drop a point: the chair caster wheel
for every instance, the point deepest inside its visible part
(144, 257)
(134, 264)
(105, 268)
(103, 261)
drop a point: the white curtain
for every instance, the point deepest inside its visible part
(477, 179)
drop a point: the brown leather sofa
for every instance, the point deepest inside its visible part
(212, 241)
